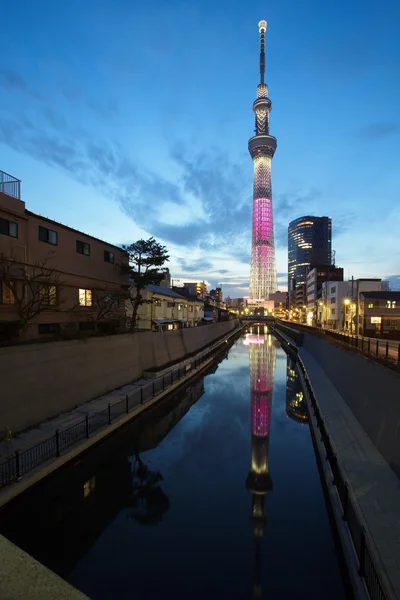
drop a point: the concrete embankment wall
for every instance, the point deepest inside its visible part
(370, 390)
(39, 381)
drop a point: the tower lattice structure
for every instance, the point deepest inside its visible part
(262, 149)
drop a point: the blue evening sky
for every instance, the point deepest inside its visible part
(127, 119)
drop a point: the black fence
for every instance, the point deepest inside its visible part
(368, 562)
(385, 349)
(14, 466)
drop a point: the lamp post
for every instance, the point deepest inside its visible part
(346, 302)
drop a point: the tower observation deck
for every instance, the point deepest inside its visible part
(262, 148)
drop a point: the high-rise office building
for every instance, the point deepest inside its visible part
(262, 147)
(309, 243)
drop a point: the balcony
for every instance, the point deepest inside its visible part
(10, 185)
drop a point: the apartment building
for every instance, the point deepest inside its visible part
(54, 280)
(164, 309)
(335, 308)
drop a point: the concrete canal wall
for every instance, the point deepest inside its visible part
(39, 381)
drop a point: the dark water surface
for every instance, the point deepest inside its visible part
(213, 494)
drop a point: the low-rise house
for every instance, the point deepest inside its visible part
(164, 309)
(380, 314)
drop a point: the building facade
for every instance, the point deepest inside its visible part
(336, 306)
(262, 146)
(280, 304)
(309, 243)
(315, 278)
(191, 286)
(380, 314)
(166, 310)
(55, 280)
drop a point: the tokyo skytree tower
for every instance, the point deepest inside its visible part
(262, 148)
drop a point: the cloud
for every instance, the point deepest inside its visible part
(378, 131)
(394, 282)
(289, 206)
(195, 265)
(12, 80)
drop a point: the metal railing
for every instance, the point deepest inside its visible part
(20, 462)
(388, 350)
(368, 561)
(10, 185)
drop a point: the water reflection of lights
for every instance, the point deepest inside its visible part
(251, 338)
(262, 358)
(295, 404)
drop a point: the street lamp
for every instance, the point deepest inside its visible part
(346, 302)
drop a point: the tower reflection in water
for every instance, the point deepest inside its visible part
(295, 404)
(262, 355)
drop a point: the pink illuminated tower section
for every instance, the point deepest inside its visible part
(262, 149)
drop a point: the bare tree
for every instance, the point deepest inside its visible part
(104, 306)
(31, 288)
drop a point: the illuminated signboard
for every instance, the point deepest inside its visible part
(376, 319)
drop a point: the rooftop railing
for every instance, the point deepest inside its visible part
(10, 185)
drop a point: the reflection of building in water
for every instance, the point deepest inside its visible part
(295, 404)
(262, 354)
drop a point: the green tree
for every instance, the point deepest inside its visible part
(146, 260)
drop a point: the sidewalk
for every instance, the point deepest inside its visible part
(375, 486)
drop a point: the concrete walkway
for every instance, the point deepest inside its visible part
(375, 486)
(24, 578)
(47, 428)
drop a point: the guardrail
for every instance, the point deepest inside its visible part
(385, 349)
(20, 462)
(10, 185)
(368, 561)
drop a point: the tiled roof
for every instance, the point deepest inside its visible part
(157, 289)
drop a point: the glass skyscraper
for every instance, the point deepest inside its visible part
(309, 243)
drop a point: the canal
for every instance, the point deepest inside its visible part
(214, 493)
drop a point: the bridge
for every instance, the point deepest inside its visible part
(257, 318)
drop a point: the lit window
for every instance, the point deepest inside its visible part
(370, 305)
(85, 297)
(388, 304)
(48, 295)
(8, 228)
(48, 235)
(83, 248)
(394, 304)
(6, 295)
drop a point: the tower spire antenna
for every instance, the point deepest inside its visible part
(262, 27)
